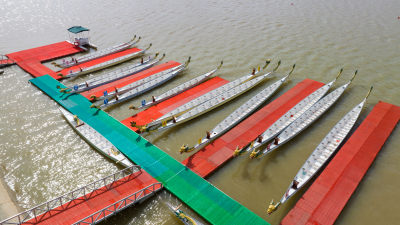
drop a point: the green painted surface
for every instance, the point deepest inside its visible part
(200, 195)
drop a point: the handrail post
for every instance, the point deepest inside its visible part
(34, 214)
(47, 206)
(60, 201)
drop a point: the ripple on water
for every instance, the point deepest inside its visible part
(42, 157)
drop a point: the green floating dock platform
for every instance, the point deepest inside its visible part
(208, 201)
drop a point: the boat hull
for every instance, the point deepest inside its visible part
(106, 64)
(324, 151)
(216, 102)
(240, 113)
(96, 140)
(179, 89)
(143, 88)
(305, 120)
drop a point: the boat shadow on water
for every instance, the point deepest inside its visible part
(244, 169)
(298, 141)
(67, 95)
(264, 163)
(157, 136)
(96, 113)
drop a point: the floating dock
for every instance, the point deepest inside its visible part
(145, 179)
(98, 61)
(146, 116)
(328, 195)
(106, 201)
(85, 207)
(208, 201)
(208, 159)
(321, 204)
(6, 62)
(46, 53)
(99, 91)
(31, 60)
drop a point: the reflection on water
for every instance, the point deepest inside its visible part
(41, 157)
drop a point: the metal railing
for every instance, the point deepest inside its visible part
(5, 59)
(69, 200)
(121, 204)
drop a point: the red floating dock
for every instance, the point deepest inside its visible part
(6, 62)
(327, 196)
(156, 111)
(99, 91)
(80, 208)
(31, 60)
(45, 53)
(99, 60)
(214, 155)
(203, 162)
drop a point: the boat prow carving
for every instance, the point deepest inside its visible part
(220, 65)
(267, 62)
(277, 66)
(237, 151)
(254, 154)
(185, 148)
(272, 207)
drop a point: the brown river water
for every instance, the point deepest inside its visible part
(41, 157)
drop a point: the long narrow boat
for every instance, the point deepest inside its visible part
(203, 98)
(145, 87)
(307, 118)
(112, 76)
(94, 138)
(139, 87)
(98, 54)
(182, 216)
(106, 64)
(122, 70)
(178, 89)
(320, 156)
(214, 102)
(160, 77)
(5, 61)
(238, 115)
(288, 118)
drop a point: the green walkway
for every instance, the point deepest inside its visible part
(200, 195)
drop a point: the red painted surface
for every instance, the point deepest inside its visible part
(128, 80)
(79, 209)
(45, 53)
(36, 69)
(6, 62)
(202, 162)
(327, 196)
(156, 111)
(31, 60)
(214, 155)
(98, 60)
(99, 199)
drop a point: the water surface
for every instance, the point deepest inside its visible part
(41, 157)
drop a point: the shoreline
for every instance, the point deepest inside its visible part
(8, 204)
